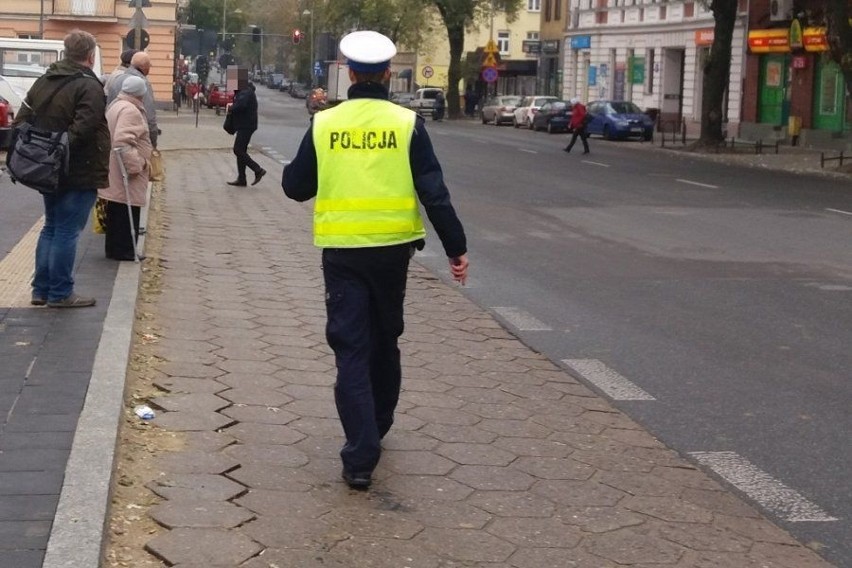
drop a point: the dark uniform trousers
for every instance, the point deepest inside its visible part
(365, 290)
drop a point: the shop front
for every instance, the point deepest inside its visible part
(798, 85)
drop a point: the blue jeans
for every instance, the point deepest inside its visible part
(65, 215)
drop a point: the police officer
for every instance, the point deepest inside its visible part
(368, 162)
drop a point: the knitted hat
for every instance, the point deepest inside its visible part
(134, 85)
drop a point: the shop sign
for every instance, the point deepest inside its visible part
(704, 37)
(593, 75)
(769, 41)
(531, 46)
(581, 42)
(796, 35)
(550, 46)
(815, 39)
(799, 62)
(636, 70)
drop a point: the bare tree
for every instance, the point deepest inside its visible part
(717, 70)
(840, 37)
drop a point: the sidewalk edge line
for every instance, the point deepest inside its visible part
(77, 534)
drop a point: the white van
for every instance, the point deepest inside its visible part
(22, 61)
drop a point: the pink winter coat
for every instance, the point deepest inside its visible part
(128, 128)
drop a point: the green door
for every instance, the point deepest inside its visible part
(773, 104)
(828, 97)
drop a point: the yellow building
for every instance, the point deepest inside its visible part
(108, 21)
(517, 68)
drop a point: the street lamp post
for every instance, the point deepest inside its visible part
(311, 31)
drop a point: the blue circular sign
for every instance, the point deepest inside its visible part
(489, 74)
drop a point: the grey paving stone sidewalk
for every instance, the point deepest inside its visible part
(498, 458)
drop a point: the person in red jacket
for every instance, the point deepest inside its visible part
(578, 125)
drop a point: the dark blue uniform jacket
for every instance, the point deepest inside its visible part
(300, 177)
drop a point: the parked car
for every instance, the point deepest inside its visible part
(402, 99)
(619, 119)
(529, 105)
(5, 124)
(273, 80)
(499, 109)
(299, 90)
(553, 116)
(13, 95)
(218, 96)
(285, 85)
(423, 102)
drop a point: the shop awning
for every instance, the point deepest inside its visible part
(769, 41)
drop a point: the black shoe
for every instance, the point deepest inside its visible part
(566, 150)
(586, 152)
(359, 481)
(238, 183)
(258, 176)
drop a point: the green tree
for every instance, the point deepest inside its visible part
(717, 70)
(459, 16)
(400, 20)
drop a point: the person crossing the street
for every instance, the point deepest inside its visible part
(369, 162)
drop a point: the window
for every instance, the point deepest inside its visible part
(557, 9)
(534, 5)
(533, 35)
(503, 41)
(547, 9)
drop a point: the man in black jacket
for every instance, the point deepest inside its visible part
(244, 115)
(69, 97)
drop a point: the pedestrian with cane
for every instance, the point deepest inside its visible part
(129, 169)
(370, 164)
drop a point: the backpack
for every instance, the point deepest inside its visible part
(37, 157)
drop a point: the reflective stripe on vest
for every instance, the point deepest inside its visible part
(365, 191)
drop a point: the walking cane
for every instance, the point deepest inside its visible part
(118, 150)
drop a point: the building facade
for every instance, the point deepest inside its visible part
(517, 69)
(650, 52)
(109, 21)
(554, 26)
(791, 80)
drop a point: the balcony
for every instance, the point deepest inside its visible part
(84, 9)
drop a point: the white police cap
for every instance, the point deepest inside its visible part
(367, 51)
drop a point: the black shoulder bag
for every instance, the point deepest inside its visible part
(38, 156)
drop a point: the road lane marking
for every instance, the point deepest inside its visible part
(698, 183)
(609, 381)
(521, 319)
(762, 487)
(595, 163)
(842, 212)
(527, 151)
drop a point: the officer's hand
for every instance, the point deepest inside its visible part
(458, 268)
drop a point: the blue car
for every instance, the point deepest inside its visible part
(619, 120)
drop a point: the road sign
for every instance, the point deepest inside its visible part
(489, 74)
(428, 71)
(490, 61)
(130, 40)
(491, 46)
(317, 69)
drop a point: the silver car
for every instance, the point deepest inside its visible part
(499, 109)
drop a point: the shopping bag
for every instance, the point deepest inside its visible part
(158, 171)
(99, 217)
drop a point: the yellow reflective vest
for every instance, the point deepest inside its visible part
(365, 195)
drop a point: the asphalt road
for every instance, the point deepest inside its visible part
(723, 294)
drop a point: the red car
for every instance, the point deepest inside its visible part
(218, 97)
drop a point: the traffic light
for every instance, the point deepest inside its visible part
(255, 34)
(297, 36)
